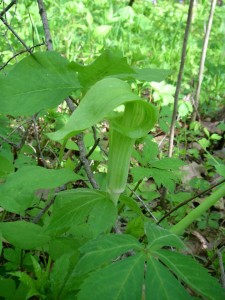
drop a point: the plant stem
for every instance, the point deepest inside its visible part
(180, 227)
(179, 79)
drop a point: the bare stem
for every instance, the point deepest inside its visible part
(43, 14)
(202, 62)
(7, 8)
(179, 79)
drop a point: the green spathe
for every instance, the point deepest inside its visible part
(98, 103)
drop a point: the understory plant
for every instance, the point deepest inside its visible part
(77, 250)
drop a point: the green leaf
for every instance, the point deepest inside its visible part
(161, 176)
(132, 204)
(79, 206)
(220, 169)
(160, 284)
(146, 74)
(62, 245)
(61, 273)
(150, 150)
(40, 274)
(102, 30)
(105, 65)
(120, 280)
(193, 274)
(6, 167)
(39, 81)
(17, 193)
(135, 227)
(159, 237)
(100, 101)
(139, 173)
(163, 88)
(167, 163)
(164, 178)
(216, 137)
(31, 283)
(24, 235)
(221, 126)
(103, 249)
(204, 143)
(7, 288)
(184, 108)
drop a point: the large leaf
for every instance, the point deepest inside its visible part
(120, 280)
(193, 274)
(17, 192)
(103, 249)
(78, 206)
(23, 234)
(159, 237)
(105, 65)
(160, 284)
(100, 101)
(37, 82)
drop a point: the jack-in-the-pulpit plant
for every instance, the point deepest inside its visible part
(133, 119)
(82, 257)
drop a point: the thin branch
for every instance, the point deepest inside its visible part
(44, 210)
(43, 14)
(222, 273)
(143, 203)
(18, 146)
(78, 167)
(15, 34)
(190, 199)
(39, 151)
(7, 8)
(8, 141)
(202, 62)
(179, 79)
(84, 160)
(136, 187)
(96, 138)
(21, 52)
(176, 96)
(70, 104)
